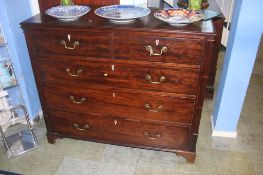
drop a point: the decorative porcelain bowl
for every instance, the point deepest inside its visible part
(122, 13)
(68, 13)
(178, 17)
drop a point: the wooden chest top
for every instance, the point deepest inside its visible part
(93, 22)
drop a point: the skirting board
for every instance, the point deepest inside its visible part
(217, 133)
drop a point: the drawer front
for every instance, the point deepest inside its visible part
(72, 43)
(77, 71)
(131, 104)
(135, 76)
(120, 131)
(167, 50)
(156, 78)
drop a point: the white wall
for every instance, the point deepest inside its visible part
(34, 6)
(142, 3)
(225, 6)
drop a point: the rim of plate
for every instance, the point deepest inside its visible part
(85, 11)
(174, 22)
(148, 11)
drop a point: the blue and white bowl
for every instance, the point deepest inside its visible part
(122, 13)
(68, 13)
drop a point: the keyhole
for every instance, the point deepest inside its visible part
(115, 122)
(69, 37)
(157, 42)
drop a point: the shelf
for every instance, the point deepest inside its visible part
(4, 54)
(16, 132)
(2, 40)
(3, 44)
(10, 87)
(12, 121)
(20, 143)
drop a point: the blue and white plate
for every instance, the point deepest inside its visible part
(122, 13)
(68, 13)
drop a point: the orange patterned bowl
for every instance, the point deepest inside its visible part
(178, 17)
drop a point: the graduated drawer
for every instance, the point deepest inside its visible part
(119, 131)
(72, 43)
(105, 101)
(125, 75)
(158, 49)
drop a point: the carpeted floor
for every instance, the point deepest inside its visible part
(7, 173)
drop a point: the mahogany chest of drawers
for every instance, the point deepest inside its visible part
(140, 84)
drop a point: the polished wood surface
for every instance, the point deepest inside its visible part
(107, 88)
(90, 44)
(179, 50)
(126, 75)
(125, 103)
(218, 23)
(91, 22)
(121, 131)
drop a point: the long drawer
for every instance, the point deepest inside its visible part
(105, 101)
(119, 131)
(72, 43)
(158, 49)
(114, 73)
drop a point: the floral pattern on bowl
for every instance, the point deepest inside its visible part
(179, 16)
(68, 13)
(122, 13)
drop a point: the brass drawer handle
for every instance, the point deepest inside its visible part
(148, 108)
(75, 44)
(149, 78)
(150, 49)
(79, 71)
(85, 127)
(82, 100)
(152, 136)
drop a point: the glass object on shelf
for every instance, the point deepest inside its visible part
(16, 133)
(194, 5)
(7, 77)
(4, 116)
(4, 54)
(2, 41)
(141, 3)
(66, 2)
(184, 3)
(1, 35)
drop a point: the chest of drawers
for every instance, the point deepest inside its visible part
(140, 84)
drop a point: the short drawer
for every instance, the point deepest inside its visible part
(104, 101)
(156, 78)
(158, 49)
(124, 75)
(119, 131)
(72, 43)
